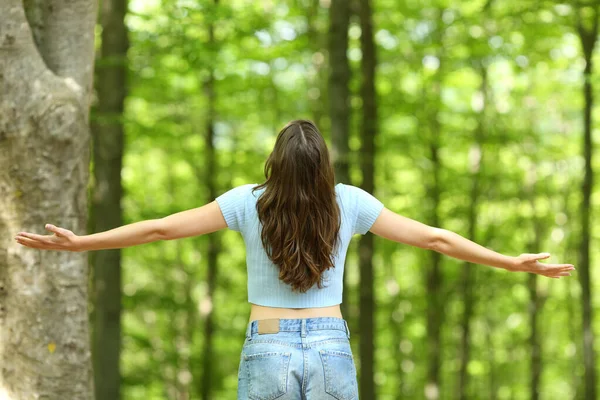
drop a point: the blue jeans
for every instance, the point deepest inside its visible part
(297, 359)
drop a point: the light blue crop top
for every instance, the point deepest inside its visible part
(359, 210)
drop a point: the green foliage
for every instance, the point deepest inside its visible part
(431, 59)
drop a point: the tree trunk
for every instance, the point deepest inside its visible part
(180, 387)
(490, 327)
(315, 37)
(339, 92)
(368, 132)
(572, 298)
(434, 286)
(44, 161)
(536, 299)
(588, 39)
(468, 298)
(107, 129)
(395, 319)
(535, 307)
(435, 301)
(213, 239)
(339, 105)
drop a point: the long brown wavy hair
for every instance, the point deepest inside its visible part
(298, 210)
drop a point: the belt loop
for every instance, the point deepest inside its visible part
(347, 330)
(249, 330)
(303, 330)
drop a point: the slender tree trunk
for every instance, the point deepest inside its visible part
(368, 133)
(395, 319)
(588, 39)
(272, 93)
(468, 298)
(316, 83)
(339, 92)
(191, 312)
(45, 79)
(572, 300)
(213, 239)
(435, 301)
(535, 306)
(177, 383)
(107, 130)
(434, 286)
(490, 326)
(485, 296)
(339, 104)
(536, 299)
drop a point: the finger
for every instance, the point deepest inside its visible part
(550, 276)
(557, 274)
(560, 274)
(556, 267)
(56, 229)
(540, 256)
(553, 276)
(30, 243)
(21, 242)
(31, 236)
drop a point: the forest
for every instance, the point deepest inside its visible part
(474, 116)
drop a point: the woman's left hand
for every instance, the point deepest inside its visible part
(530, 263)
(63, 239)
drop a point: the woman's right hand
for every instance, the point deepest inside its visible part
(63, 239)
(530, 263)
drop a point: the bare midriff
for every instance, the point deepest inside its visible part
(262, 312)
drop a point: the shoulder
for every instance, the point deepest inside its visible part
(233, 204)
(246, 186)
(359, 199)
(351, 192)
(236, 195)
(364, 207)
(241, 190)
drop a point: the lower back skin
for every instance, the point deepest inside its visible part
(262, 312)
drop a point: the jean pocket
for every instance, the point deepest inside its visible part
(267, 374)
(340, 374)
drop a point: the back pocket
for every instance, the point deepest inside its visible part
(340, 374)
(267, 374)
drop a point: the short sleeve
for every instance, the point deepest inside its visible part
(233, 204)
(367, 209)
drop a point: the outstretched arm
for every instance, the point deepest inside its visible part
(193, 222)
(405, 230)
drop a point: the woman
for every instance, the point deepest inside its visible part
(296, 227)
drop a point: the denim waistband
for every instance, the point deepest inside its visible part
(303, 325)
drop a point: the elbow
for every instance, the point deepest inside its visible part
(161, 230)
(437, 240)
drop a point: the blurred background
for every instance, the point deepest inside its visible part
(475, 116)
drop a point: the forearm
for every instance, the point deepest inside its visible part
(454, 245)
(124, 236)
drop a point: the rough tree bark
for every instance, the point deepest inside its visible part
(588, 38)
(367, 163)
(339, 105)
(46, 67)
(108, 138)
